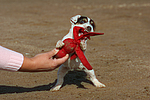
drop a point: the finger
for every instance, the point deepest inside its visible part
(61, 60)
(53, 52)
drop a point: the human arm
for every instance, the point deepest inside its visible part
(14, 61)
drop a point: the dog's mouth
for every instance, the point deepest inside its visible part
(81, 33)
(83, 39)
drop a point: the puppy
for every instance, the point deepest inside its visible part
(89, 25)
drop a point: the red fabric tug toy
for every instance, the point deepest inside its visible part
(72, 46)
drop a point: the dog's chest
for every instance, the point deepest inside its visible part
(73, 64)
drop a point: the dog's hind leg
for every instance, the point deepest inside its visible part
(93, 78)
(60, 77)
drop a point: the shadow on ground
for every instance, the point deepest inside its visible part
(73, 77)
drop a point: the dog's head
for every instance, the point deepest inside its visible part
(83, 21)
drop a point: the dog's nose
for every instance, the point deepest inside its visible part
(89, 28)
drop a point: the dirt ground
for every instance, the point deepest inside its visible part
(120, 58)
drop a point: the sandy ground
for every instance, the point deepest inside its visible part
(121, 57)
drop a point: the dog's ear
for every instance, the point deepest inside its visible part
(75, 19)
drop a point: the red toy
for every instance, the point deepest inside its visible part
(72, 46)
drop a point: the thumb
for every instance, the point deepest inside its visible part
(60, 61)
(53, 52)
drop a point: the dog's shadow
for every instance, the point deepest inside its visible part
(76, 77)
(72, 77)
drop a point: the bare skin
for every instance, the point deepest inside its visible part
(42, 62)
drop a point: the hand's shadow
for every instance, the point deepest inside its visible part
(73, 77)
(16, 89)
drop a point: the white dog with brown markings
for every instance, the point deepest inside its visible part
(89, 25)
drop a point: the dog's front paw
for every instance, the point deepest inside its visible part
(83, 46)
(56, 88)
(98, 84)
(59, 44)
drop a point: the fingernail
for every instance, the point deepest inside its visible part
(67, 55)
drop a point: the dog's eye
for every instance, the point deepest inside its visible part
(82, 21)
(92, 23)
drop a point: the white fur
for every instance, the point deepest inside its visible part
(75, 63)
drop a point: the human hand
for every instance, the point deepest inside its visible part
(42, 62)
